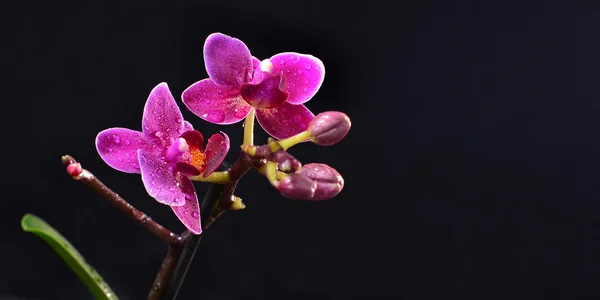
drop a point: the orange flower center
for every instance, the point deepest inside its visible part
(198, 159)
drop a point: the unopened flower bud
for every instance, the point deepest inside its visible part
(328, 128)
(74, 169)
(329, 181)
(286, 162)
(297, 187)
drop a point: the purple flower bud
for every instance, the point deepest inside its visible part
(286, 162)
(329, 127)
(329, 181)
(297, 187)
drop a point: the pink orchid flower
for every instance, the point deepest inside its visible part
(277, 87)
(166, 153)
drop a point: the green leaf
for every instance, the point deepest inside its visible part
(70, 255)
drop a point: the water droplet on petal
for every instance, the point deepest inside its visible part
(239, 113)
(305, 90)
(196, 215)
(207, 101)
(299, 71)
(110, 150)
(282, 61)
(307, 66)
(158, 134)
(215, 116)
(127, 142)
(306, 82)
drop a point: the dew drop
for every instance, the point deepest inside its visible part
(239, 113)
(196, 215)
(215, 116)
(116, 139)
(219, 91)
(127, 142)
(158, 134)
(207, 101)
(299, 71)
(110, 150)
(306, 81)
(282, 61)
(307, 66)
(305, 90)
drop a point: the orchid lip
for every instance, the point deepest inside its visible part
(268, 93)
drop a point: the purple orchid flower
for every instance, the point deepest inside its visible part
(277, 87)
(166, 153)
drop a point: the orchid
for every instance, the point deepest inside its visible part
(276, 87)
(166, 153)
(170, 154)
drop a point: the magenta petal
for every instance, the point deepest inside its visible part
(118, 148)
(226, 60)
(186, 169)
(285, 120)
(189, 213)
(216, 151)
(267, 94)
(159, 181)
(215, 104)
(187, 126)
(304, 73)
(162, 121)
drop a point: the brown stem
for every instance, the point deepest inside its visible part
(168, 237)
(164, 273)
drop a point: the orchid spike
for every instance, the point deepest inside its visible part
(166, 152)
(277, 87)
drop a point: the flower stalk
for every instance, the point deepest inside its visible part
(166, 236)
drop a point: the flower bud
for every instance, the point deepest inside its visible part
(328, 181)
(328, 128)
(286, 162)
(74, 169)
(297, 187)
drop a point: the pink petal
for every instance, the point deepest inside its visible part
(216, 151)
(215, 104)
(159, 181)
(266, 94)
(284, 121)
(162, 122)
(226, 59)
(304, 73)
(118, 148)
(187, 126)
(189, 213)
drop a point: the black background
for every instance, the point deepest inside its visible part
(471, 168)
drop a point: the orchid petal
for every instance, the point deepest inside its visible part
(118, 148)
(189, 213)
(194, 138)
(285, 120)
(304, 73)
(162, 121)
(215, 104)
(186, 169)
(266, 94)
(187, 126)
(216, 151)
(159, 181)
(226, 59)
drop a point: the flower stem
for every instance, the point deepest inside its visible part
(293, 140)
(169, 238)
(249, 128)
(191, 243)
(215, 177)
